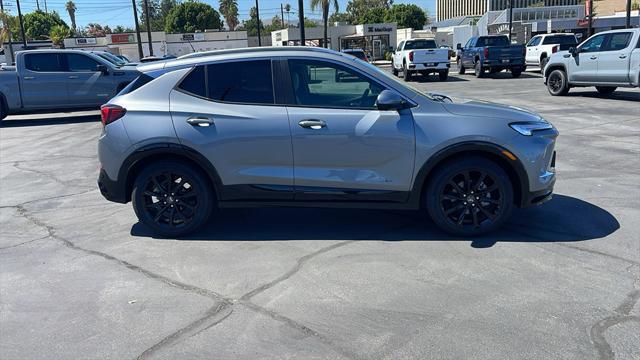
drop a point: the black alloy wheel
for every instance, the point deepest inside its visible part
(470, 197)
(171, 198)
(557, 83)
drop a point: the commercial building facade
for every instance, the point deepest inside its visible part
(448, 9)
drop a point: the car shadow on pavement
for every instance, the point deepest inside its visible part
(436, 79)
(563, 219)
(618, 95)
(49, 121)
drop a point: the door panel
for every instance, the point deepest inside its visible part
(344, 148)
(613, 64)
(86, 85)
(584, 67)
(43, 81)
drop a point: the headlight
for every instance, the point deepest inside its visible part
(527, 128)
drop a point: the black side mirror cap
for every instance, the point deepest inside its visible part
(574, 51)
(459, 46)
(390, 100)
(103, 69)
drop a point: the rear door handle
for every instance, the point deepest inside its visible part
(312, 124)
(199, 121)
(28, 78)
(73, 76)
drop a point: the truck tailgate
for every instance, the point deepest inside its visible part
(428, 56)
(506, 52)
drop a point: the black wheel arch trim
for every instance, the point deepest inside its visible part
(552, 68)
(149, 153)
(514, 169)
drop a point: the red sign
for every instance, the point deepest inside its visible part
(121, 38)
(583, 23)
(587, 8)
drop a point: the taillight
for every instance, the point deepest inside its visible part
(410, 55)
(110, 113)
(555, 49)
(486, 52)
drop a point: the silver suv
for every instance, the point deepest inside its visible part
(278, 127)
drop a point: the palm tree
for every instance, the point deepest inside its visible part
(71, 9)
(229, 9)
(325, 4)
(57, 35)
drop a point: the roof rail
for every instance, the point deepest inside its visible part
(254, 50)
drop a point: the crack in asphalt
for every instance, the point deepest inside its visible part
(621, 314)
(24, 243)
(43, 173)
(47, 198)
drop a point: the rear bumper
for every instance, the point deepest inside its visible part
(439, 66)
(110, 189)
(512, 63)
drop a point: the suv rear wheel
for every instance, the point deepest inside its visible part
(172, 198)
(469, 196)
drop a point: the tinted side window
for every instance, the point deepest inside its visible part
(560, 39)
(42, 62)
(324, 84)
(400, 46)
(535, 41)
(241, 82)
(194, 82)
(78, 62)
(136, 84)
(618, 41)
(593, 45)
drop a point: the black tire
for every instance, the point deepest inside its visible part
(461, 69)
(543, 63)
(394, 71)
(444, 75)
(3, 112)
(606, 90)
(406, 74)
(516, 72)
(557, 83)
(173, 199)
(479, 71)
(469, 196)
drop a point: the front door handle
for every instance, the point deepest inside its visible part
(312, 124)
(622, 56)
(593, 57)
(200, 121)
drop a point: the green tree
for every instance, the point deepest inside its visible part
(251, 25)
(71, 8)
(121, 29)
(635, 6)
(373, 16)
(192, 16)
(357, 8)
(38, 24)
(406, 16)
(340, 17)
(308, 23)
(58, 34)
(276, 24)
(229, 9)
(325, 5)
(95, 30)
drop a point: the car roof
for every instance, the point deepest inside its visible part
(241, 53)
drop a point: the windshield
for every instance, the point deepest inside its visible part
(560, 39)
(493, 41)
(111, 58)
(359, 54)
(420, 44)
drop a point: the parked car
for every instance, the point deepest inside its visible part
(226, 128)
(122, 57)
(420, 55)
(60, 79)
(492, 53)
(607, 60)
(358, 53)
(114, 59)
(541, 47)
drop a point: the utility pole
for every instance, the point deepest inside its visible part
(45, 7)
(303, 41)
(590, 10)
(135, 17)
(8, 32)
(146, 8)
(258, 24)
(282, 15)
(24, 37)
(628, 14)
(510, 19)
(38, 5)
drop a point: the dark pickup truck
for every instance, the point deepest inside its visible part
(492, 53)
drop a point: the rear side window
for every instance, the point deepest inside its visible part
(43, 62)
(560, 40)
(493, 41)
(420, 44)
(136, 84)
(535, 41)
(618, 41)
(194, 83)
(241, 82)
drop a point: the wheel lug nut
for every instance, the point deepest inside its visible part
(465, 203)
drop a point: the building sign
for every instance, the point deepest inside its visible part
(86, 41)
(122, 38)
(193, 37)
(278, 36)
(379, 28)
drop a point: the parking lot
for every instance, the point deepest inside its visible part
(79, 278)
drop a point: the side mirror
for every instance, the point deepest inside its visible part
(459, 46)
(390, 100)
(103, 69)
(574, 51)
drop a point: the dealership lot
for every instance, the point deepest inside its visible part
(80, 279)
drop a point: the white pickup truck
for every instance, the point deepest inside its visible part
(607, 60)
(541, 47)
(420, 55)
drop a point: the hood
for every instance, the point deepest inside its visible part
(478, 108)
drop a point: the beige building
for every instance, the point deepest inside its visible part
(448, 9)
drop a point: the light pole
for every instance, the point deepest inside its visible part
(24, 37)
(303, 41)
(510, 19)
(8, 31)
(258, 24)
(146, 8)
(135, 17)
(628, 14)
(590, 4)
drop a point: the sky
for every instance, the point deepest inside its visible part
(119, 12)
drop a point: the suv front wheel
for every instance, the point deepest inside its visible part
(469, 196)
(172, 198)
(557, 83)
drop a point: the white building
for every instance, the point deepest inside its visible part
(377, 39)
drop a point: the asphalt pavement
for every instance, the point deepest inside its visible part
(80, 278)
